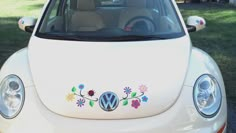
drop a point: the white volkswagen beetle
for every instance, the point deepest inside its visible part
(111, 66)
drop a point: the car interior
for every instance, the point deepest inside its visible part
(146, 16)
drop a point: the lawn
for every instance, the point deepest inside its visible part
(11, 37)
(218, 39)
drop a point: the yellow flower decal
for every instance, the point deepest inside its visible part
(70, 97)
(77, 94)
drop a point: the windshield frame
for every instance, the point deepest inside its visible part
(103, 39)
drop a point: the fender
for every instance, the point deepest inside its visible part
(18, 65)
(201, 63)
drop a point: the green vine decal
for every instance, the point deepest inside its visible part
(136, 98)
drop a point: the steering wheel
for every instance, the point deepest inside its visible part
(140, 24)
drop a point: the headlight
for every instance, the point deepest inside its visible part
(12, 96)
(207, 96)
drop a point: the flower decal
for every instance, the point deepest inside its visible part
(91, 93)
(135, 104)
(144, 98)
(127, 90)
(70, 97)
(81, 86)
(200, 22)
(77, 93)
(132, 98)
(137, 98)
(143, 88)
(80, 102)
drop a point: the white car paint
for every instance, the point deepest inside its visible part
(175, 113)
(109, 66)
(186, 120)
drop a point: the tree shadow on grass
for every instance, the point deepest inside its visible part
(32, 7)
(37, 6)
(205, 6)
(11, 37)
(218, 39)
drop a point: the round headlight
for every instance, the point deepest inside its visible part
(12, 96)
(207, 96)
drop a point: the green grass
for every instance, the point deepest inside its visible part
(218, 39)
(11, 37)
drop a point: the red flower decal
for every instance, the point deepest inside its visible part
(91, 93)
(135, 104)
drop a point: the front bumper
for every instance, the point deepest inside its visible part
(182, 117)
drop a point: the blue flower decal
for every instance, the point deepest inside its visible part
(144, 98)
(81, 86)
(127, 90)
(132, 97)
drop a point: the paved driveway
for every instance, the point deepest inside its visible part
(231, 116)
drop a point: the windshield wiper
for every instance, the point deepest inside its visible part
(62, 37)
(103, 38)
(136, 38)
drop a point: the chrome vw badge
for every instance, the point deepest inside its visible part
(108, 101)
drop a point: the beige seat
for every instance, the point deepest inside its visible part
(135, 8)
(85, 17)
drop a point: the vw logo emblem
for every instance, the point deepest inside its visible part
(108, 101)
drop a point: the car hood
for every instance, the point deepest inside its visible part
(109, 80)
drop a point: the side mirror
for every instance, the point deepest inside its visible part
(27, 24)
(195, 23)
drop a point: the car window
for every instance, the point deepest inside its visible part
(54, 10)
(110, 2)
(111, 20)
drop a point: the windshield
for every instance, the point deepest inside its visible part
(110, 20)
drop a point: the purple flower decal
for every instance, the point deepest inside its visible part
(81, 86)
(144, 98)
(127, 90)
(135, 104)
(80, 102)
(133, 98)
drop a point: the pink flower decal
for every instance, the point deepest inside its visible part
(201, 22)
(143, 88)
(135, 104)
(136, 97)
(133, 97)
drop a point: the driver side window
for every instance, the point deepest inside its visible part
(169, 20)
(55, 22)
(54, 11)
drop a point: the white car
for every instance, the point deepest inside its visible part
(111, 66)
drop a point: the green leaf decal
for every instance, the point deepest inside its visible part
(73, 89)
(91, 103)
(125, 102)
(133, 94)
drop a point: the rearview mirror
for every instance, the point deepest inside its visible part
(27, 24)
(195, 23)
